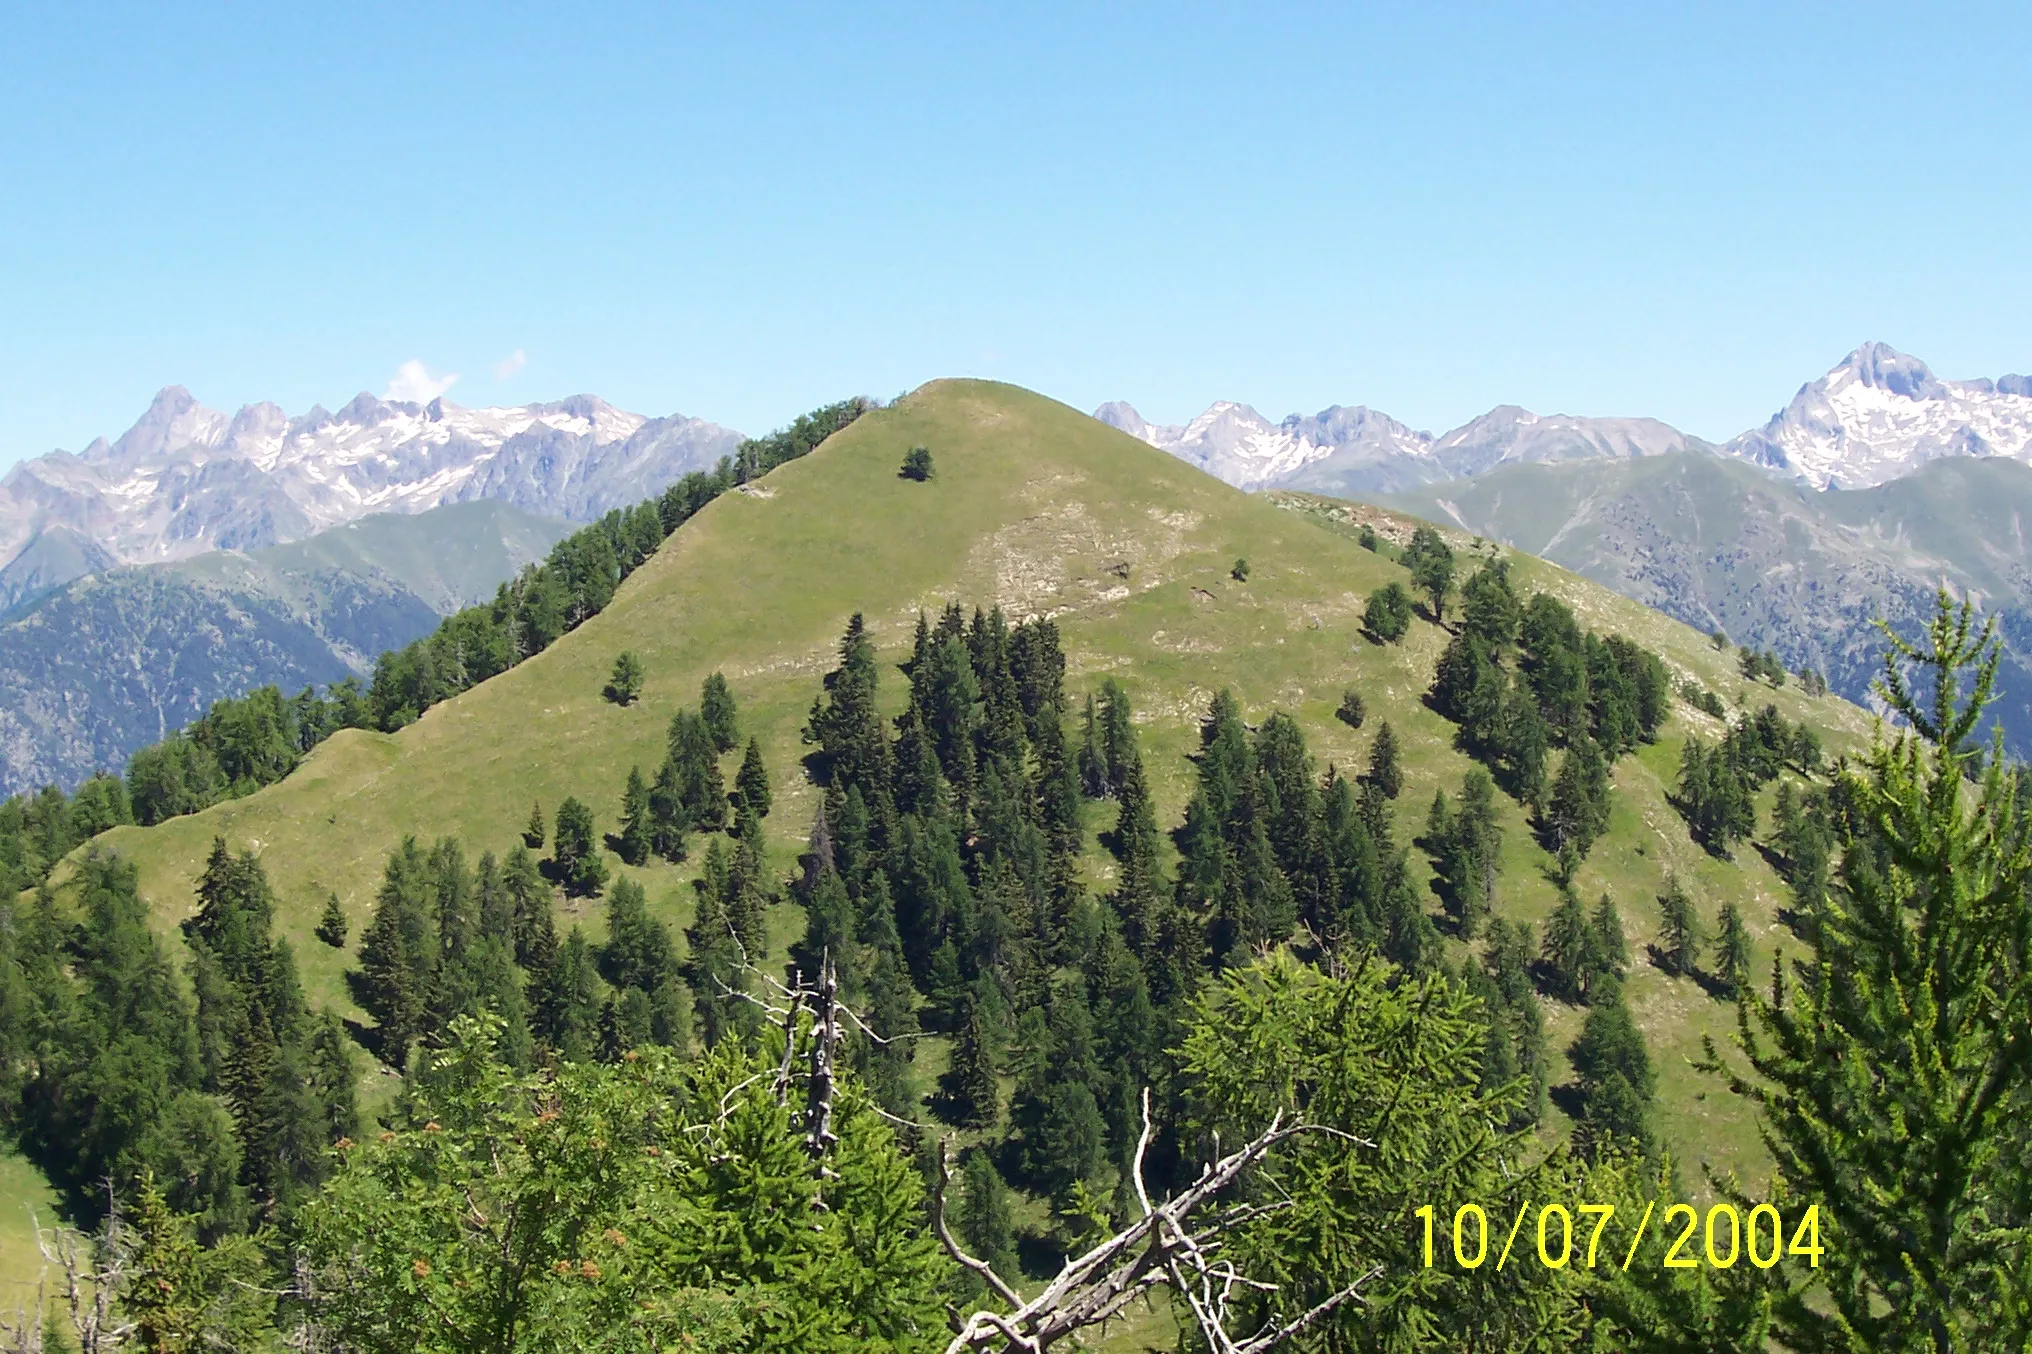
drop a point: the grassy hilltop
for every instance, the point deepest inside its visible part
(1043, 510)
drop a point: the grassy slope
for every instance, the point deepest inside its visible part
(1043, 509)
(25, 1200)
(451, 556)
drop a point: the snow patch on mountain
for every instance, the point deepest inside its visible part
(1880, 414)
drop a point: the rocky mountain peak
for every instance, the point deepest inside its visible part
(1879, 414)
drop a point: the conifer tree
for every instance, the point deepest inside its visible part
(668, 821)
(1387, 613)
(1353, 710)
(399, 955)
(1611, 954)
(752, 783)
(1465, 845)
(625, 683)
(983, 1218)
(533, 834)
(1732, 950)
(1431, 563)
(715, 969)
(695, 763)
(1679, 930)
(332, 924)
(1139, 898)
(1383, 772)
(716, 707)
(1570, 946)
(1579, 811)
(1521, 1023)
(1093, 762)
(568, 1001)
(970, 1096)
(575, 851)
(637, 831)
(1615, 1079)
(532, 926)
(1889, 1074)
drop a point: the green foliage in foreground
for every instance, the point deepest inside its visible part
(642, 1205)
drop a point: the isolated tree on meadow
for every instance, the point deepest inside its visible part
(332, 924)
(1732, 949)
(916, 465)
(625, 684)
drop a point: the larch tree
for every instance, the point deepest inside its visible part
(1890, 1070)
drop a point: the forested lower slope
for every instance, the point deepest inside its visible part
(1041, 511)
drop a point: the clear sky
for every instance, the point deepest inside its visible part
(741, 211)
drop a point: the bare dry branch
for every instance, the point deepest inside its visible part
(1170, 1244)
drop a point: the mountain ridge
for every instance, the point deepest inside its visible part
(185, 479)
(1876, 415)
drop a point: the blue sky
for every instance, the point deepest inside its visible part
(742, 211)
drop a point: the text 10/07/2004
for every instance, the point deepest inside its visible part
(1722, 1238)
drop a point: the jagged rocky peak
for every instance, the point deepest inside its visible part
(187, 478)
(1880, 414)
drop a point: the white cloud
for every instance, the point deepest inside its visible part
(510, 364)
(413, 383)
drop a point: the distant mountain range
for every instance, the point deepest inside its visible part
(107, 663)
(186, 479)
(1876, 484)
(1877, 415)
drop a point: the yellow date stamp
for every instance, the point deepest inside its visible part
(1584, 1235)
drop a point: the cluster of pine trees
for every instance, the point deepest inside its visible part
(1523, 680)
(1718, 784)
(221, 1089)
(450, 940)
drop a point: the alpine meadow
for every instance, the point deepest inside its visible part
(958, 877)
